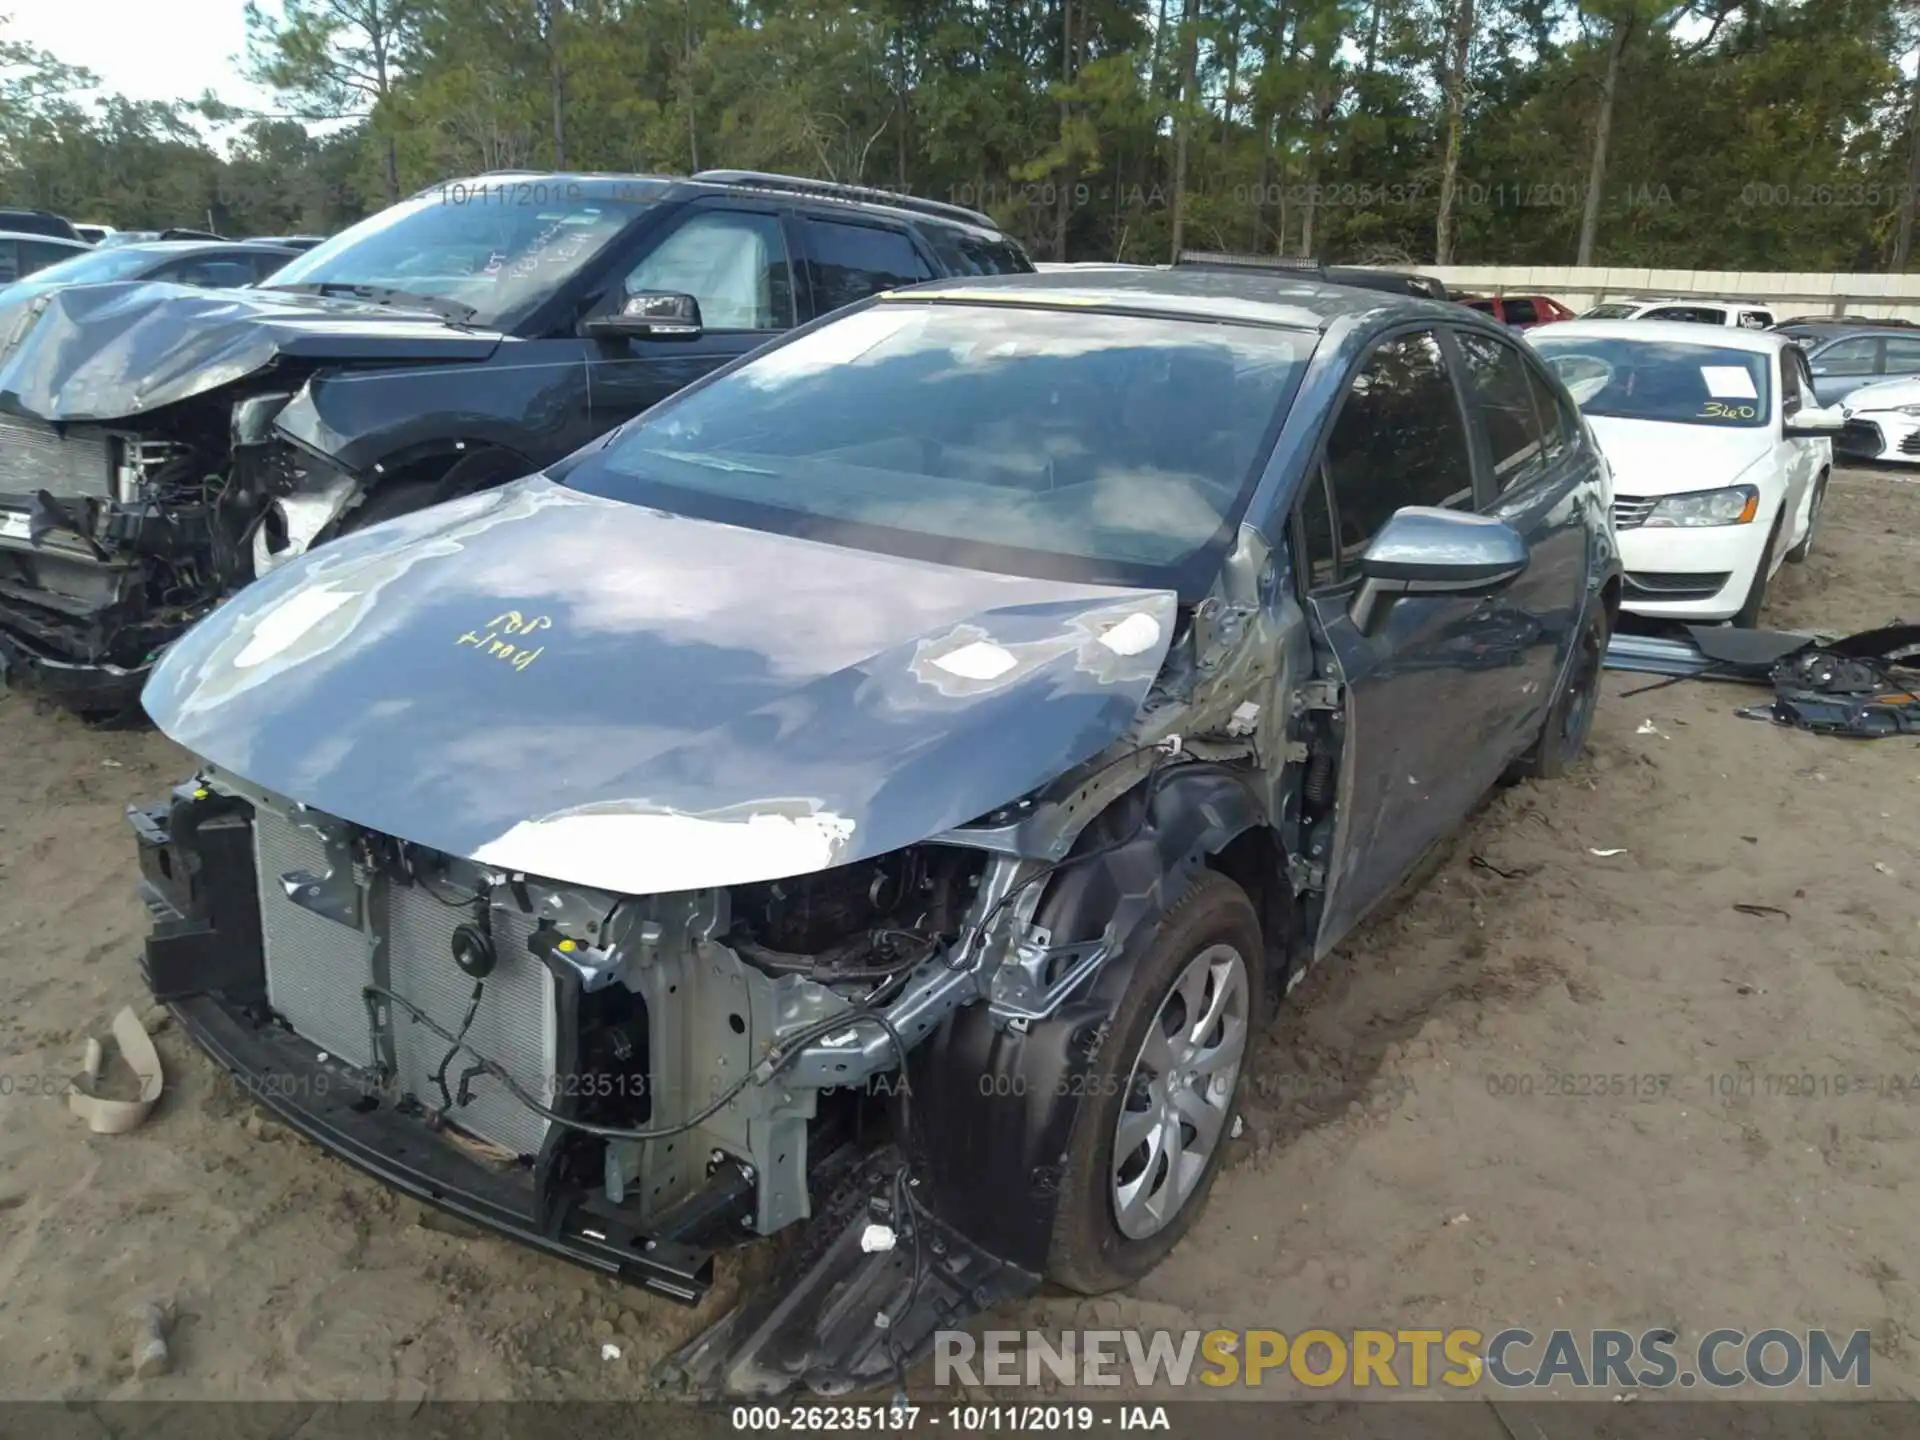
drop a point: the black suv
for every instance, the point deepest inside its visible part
(161, 446)
(38, 222)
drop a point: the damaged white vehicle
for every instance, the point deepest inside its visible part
(882, 786)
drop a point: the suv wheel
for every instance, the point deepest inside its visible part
(478, 471)
(1158, 1107)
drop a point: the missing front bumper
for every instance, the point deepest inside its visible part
(333, 1107)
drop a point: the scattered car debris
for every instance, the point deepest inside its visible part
(1461, 1219)
(1708, 652)
(1865, 686)
(1607, 854)
(876, 1239)
(116, 1117)
(1762, 910)
(151, 1356)
(1647, 727)
(609, 1351)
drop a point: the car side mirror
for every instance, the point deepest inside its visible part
(1426, 551)
(653, 315)
(1810, 423)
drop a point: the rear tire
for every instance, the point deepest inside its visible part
(1174, 1080)
(1563, 735)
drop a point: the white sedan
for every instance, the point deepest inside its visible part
(1720, 456)
(1882, 422)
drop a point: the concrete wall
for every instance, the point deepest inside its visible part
(1785, 292)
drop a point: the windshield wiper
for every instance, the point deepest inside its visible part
(454, 310)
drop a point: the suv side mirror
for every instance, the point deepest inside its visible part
(651, 314)
(1809, 423)
(1426, 551)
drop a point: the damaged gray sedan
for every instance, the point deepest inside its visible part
(883, 788)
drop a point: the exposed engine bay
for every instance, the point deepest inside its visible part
(113, 540)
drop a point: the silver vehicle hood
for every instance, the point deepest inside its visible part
(595, 692)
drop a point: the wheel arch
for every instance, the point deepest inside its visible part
(989, 1109)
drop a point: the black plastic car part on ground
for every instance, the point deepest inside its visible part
(876, 798)
(161, 446)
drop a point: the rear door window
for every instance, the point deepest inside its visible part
(1756, 319)
(1497, 381)
(851, 262)
(1558, 423)
(37, 255)
(1901, 355)
(1522, 312)
(1856, 355)
(993, 257)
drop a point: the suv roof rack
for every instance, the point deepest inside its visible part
(1290, 263)
(1396, 282)
(835, 190)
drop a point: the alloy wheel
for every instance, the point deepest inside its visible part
(1180, 1091)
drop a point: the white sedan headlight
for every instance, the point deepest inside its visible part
(1733, 505)
(1906, 409)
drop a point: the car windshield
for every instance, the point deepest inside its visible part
(1610, 312)
(1067, 443)
(489, 251)
(1676, 383)
(92, 267)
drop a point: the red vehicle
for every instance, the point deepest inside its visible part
(1522, 312)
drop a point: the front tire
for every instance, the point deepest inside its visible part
(1748, 615)
(1159, 1103)
(1805, 548)
(479, 471)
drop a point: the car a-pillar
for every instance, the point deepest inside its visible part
(1012, 1127)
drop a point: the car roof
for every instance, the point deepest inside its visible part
(1253, 296)
(792, 188)
(1856, 329)
(191, 247)
(1693, 300)
(1654, 332)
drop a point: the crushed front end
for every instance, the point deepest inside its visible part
(116, 537)
(630, 1082)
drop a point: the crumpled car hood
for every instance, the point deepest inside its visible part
(595, 692)
(105, 352)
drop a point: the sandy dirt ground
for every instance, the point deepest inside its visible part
(1403, 1163)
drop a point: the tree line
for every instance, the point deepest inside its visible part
(1713, 134)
